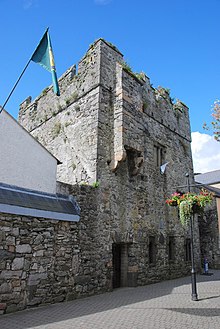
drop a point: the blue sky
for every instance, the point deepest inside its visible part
(175, 42)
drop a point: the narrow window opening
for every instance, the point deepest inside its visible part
(152, 250)
(159, 155)
(171, 248)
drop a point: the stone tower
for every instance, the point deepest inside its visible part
(112, 127)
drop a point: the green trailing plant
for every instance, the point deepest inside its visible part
(96, 184)
(189, 203)
(163, 91)
(111, 45)
(126, 66)
(185, 211)
(140, 75)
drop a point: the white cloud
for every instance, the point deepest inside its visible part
(205, 153)
(102, 2)
(27, 4)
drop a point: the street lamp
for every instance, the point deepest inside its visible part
(193, 272)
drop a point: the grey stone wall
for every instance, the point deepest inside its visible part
(133, 119)
(47, 261)
(209, 232)
(110, 126)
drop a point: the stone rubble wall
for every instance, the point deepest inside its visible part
(47, 261)
(135, 117)
(104, 128)
(209, 231)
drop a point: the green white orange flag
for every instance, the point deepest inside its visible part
(43, 55)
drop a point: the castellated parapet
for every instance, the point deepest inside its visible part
(103, 110)
(112, 127)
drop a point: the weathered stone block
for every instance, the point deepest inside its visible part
(11, 249)
(15, 231)
(34, 266)
(39, 253)
(23, 249)
(35, 278)
(10, 274)
(35, 301)
(10, 240)
(82, 279)
(17, 264)
(16, 283)
(5, 288)
(4, 254)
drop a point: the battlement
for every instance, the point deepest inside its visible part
(110, 128)
(105, 111)
(99, 67)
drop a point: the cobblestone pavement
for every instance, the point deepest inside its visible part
(162, 305)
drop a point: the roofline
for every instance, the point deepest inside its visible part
(6, 112)
(209, 183)
(31, 211)
(17, 210)
(29, 191)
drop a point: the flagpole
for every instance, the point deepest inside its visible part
(15, 85)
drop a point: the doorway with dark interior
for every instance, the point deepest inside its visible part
(116, 263)
(120, 265)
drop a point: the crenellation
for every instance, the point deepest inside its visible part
(112, 131)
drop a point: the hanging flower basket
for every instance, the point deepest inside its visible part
(172, 203)
(189, 203)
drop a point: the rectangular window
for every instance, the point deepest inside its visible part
(159, 155)
(152, 250)
(188, 250)
(171, 248)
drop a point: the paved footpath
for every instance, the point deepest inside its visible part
(165, 305)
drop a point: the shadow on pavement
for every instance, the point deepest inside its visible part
(31, 318)
(209, 312)
(211, 297)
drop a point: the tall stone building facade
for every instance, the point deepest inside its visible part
(111, 129)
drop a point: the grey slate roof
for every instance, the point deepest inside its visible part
(211, 177)
(25, 202)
